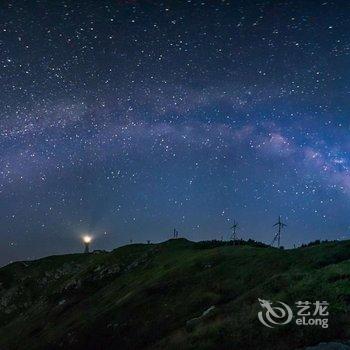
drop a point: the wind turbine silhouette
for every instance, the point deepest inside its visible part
(277, 237)
(234, 232)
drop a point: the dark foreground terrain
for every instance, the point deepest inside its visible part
(173, 295)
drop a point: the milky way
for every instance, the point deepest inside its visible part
(125, 119)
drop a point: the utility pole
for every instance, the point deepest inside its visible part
(277, 237)
(234, 230)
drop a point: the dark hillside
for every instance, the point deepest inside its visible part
(174, 295)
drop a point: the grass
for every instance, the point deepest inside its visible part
(141, 297)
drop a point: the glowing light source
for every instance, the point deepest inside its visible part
(87, 239)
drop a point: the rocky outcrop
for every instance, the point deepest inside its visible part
(191, 324)
(329, 346)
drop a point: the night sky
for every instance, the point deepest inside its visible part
(125, 119)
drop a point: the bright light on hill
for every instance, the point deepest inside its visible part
(87, 239)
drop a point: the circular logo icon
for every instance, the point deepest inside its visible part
(274, 315)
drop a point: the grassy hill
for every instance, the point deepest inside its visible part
(173, 295)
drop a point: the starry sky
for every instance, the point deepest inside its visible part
(125, 119)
